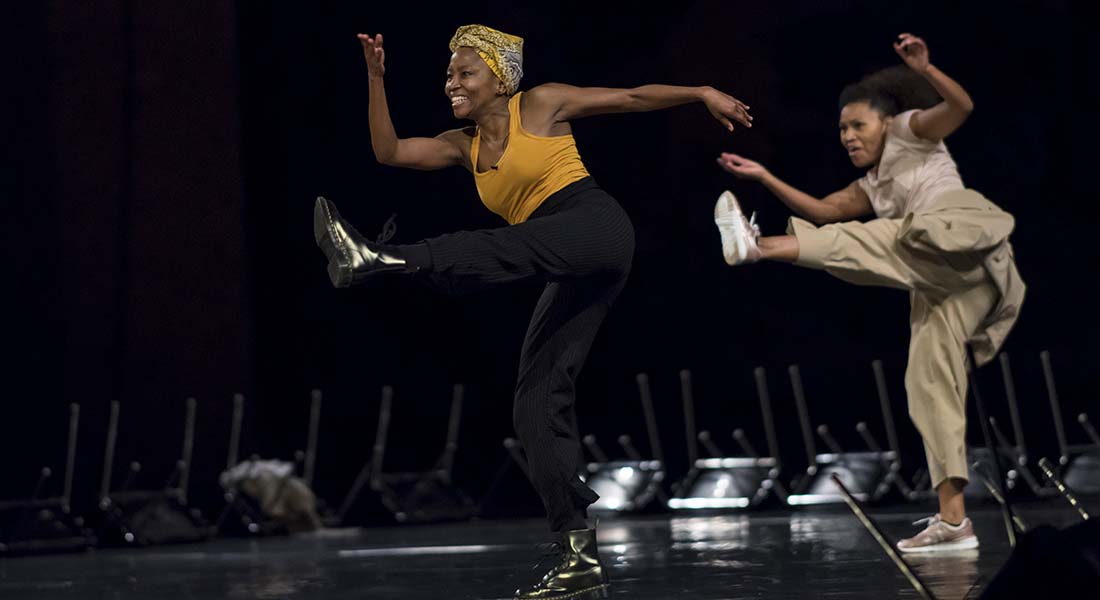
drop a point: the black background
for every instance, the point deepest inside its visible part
(161, 163)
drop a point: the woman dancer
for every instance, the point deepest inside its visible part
(562, 228)
(947, 245)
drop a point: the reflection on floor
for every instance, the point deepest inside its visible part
(812, 553)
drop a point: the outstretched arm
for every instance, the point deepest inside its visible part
(415, 153)
(943, 119)
(567, 102)
(845, 205)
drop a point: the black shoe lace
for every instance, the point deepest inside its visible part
(550, 551)
(388, 230)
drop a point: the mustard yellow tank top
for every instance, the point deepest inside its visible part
(531, 169)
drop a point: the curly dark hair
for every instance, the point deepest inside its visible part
(890, 91)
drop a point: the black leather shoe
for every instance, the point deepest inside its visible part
(351, 258)
(578, 576)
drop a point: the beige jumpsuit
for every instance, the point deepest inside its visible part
(948, 246)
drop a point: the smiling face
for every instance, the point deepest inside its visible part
(471, 85)
(863, 133)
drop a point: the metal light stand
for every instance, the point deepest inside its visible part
(1079, 463)
(630, 485)
(421, 496)
(1012, 523)
(38, 525)
(866, 472)
(918, 586)
(719, 481)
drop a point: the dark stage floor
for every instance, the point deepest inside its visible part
(812, 553)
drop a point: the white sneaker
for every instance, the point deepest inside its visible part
(938, 536)
(739, 234)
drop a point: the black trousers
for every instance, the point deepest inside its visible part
(581, 242)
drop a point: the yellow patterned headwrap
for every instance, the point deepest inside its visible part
(502, 52)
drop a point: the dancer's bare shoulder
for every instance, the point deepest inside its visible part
(541, 109)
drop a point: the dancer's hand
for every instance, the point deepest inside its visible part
(725, 107)
(375, 55)
(742, 167)
(913, 51)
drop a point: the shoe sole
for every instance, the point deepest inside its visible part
(599, 592)
(963, 544)
(324, 215)
(730, 221)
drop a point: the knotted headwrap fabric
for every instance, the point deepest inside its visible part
(501, 51)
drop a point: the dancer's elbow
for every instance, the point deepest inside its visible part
(387, 158)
